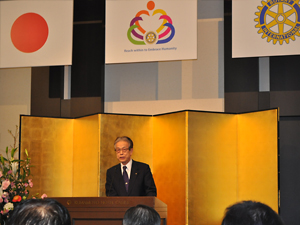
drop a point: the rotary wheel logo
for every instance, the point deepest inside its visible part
(150, 37)
(278, 20)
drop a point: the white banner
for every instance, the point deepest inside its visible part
(139, 31)
(265, 28)
(35, 33)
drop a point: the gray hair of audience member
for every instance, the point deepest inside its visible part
(124, 138)
(39, 212)
(251, 213)
(141, 215)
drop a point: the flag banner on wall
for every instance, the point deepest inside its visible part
(265, 28)
(36, 33)
(158, 30)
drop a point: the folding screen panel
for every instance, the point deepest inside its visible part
(139, 128)
(169, 163)
(49, 142)
(212, 170)
(86, 153)
(257, 157)
(202, 162)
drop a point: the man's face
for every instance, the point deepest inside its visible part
(123, 152)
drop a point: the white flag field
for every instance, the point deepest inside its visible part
(140, 31)
(265, 28)
(36, 33)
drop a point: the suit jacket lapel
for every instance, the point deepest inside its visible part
(133, 175)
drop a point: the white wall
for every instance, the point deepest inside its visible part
(160, 87)
(15, 85)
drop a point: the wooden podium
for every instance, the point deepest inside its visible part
(107, 210)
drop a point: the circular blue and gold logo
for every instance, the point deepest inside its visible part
(150, 37)
(278, 20)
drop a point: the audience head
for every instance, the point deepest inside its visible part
(39, 212)
(251, 213)
(141, 215)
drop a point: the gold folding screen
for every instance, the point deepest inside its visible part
(212, 167)
(201, 161)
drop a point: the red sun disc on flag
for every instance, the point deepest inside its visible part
(29, 32)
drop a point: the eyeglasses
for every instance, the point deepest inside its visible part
(118, 150)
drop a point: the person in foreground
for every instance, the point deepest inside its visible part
(251, 213)
(129, 177)
(141, 215)
(39, 212)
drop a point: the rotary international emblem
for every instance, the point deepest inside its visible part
(150, 37)
(278, 20)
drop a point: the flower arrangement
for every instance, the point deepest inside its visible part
(14, 180)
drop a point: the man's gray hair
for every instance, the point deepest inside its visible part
(124, 138)
(141, 215)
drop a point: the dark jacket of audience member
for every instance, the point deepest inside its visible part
(141, 215)
(39, 212)
(251, 213)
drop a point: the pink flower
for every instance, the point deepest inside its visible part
(5, 184)
(12, 184)
(1, 200)
(44, 196)
(30, 183)
(9, 172)
(26, 185)
(1, 174)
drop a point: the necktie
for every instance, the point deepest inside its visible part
(125, 177)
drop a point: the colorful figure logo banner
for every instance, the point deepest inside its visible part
(137, 35)
(150, 30)
(279, 20)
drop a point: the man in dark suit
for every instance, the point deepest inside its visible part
(129, 177)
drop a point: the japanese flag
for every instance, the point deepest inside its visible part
(35, 33)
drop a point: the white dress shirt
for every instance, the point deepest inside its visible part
(128, 169)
